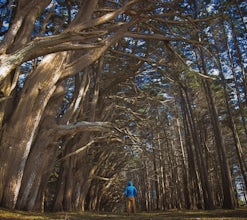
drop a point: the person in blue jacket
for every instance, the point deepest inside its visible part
(130, 193)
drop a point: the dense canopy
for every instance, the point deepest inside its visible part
(94, 93)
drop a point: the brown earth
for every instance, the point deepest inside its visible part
(219, 214)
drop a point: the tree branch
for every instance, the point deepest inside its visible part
(96, 140)
(164, 38)
(83, 126)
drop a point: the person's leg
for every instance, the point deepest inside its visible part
(128, 205)
(134, 205)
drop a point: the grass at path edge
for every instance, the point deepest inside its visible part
(237, 214)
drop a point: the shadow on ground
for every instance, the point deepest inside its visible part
(219, 214)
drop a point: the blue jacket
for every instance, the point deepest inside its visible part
(130, 190)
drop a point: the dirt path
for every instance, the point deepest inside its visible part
(219, 214)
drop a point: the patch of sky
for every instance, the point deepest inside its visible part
(25, 71)
(132, 124)
(243, 45)
(70, 87)
(227, 72)
(141, 42)
(208, 31)
(166, 95)
(242, 35)
(176, 18)
(212, 7)
(52, 3)
(189, 62)
(213, 72)
(3, 13)
(242, 95)
(243, 4)
(37, 27)
(143, 79)
(159, 10)
(141, 54)
(242, 195)
(233, 96)
(21, 80)
(116, 1)
(166, 1)
(245, 19)
(210, 64)
(238, 71)
(153, 78)
(5, 26)
(189, 53)
(234, 100)
(128, 39)
(128, 50)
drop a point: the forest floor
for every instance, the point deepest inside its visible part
(219, 214)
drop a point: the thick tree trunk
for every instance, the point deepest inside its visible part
(41, 159)
(30, 109)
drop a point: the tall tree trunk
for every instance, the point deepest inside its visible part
(184, 169)
(86, 186)
(233, 128)
(240, 61)
(207, 194)
(228, 192)
(234, 68)
(30, 108)
(161, 160)
(147, 188)
(156, 177)
(41, 158)
(68, 185)
(194, 189)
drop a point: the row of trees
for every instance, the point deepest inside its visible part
(94, 92)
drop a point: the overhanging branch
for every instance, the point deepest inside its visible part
(96, 140)
(83, 126)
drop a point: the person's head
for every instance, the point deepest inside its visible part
(130, 183)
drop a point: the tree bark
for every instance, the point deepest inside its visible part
(31, 107)
(228, 192)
